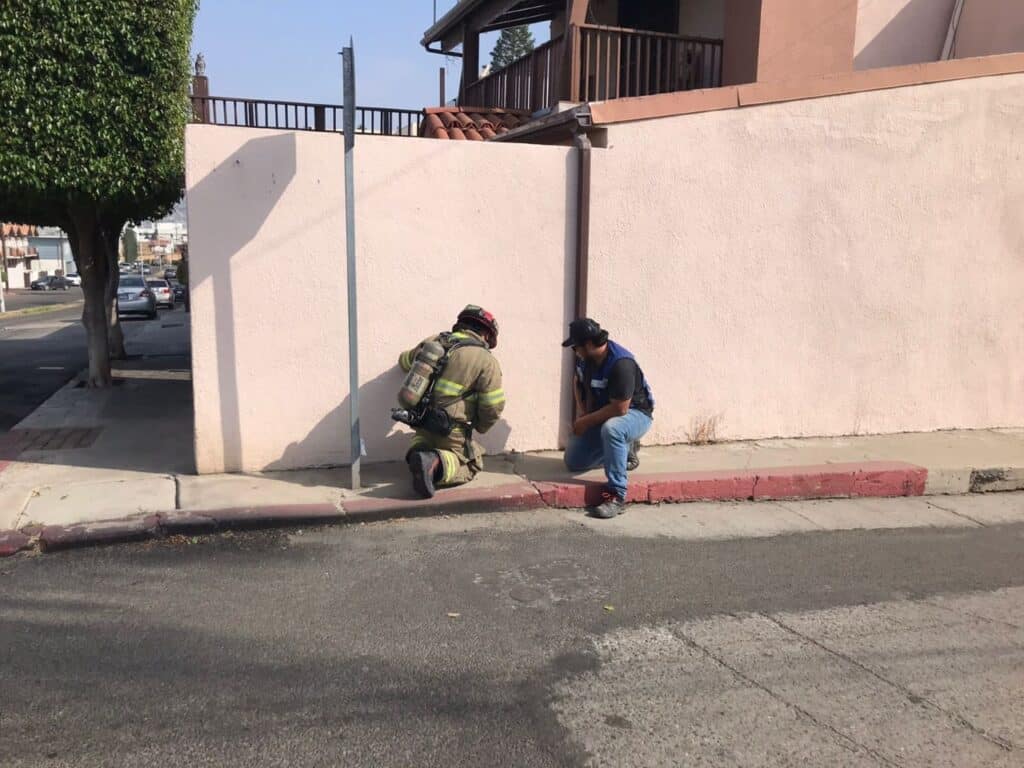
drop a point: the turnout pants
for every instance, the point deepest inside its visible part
(461, 458)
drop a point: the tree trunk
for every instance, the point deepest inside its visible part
(89, 251)
(115, 336)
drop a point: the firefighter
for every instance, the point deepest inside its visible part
(468, 393)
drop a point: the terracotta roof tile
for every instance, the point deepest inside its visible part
(469, 124)
(18, 230)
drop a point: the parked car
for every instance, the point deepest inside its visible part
(179, 290)
(163, 293)
(171, 273)
(74, 279)
(52, 283)
(135, 298)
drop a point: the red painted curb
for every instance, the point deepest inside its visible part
(55, 537)
(521, 495)
(873, 478)
(247, 517)
(866, 479)
(12, 542)
(584, 493)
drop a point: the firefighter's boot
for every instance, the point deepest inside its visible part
(426, 469)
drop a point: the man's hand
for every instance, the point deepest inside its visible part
(580, 426)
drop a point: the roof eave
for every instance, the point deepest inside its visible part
(446, 23)
(569, 120)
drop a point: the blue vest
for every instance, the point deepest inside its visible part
(598, 384)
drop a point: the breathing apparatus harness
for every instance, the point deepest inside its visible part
(428, 414)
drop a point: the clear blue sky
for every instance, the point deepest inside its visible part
(273, 49)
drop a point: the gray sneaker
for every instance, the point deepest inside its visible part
(633, 459)
(611, 506)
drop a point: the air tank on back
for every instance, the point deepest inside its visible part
(424, 366)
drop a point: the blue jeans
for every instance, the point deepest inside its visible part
(608, 446)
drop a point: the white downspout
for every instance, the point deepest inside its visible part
(954, 25)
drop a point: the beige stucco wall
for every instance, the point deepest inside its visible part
(440, 225)
(805, 38)
(989, 27)
(842, 265)
(895, 32)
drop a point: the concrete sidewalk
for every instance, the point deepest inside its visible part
(125, 455)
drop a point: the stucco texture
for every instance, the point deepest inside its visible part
(852, 264)
(439, 225)
(895, 32)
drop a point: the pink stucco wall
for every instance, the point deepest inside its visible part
(849, 264)
(989, 27)
(440, 225)
(805, 38)
(852, 264)
(895, 32)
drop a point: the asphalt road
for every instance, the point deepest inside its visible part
(22, 299)
(519, 640)
(41, 353)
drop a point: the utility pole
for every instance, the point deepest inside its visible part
(349, 85)
(3, 269)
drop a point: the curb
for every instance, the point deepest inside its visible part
(864, 480)
(880, 479)
(42, 310)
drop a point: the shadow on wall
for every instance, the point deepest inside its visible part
(259, 160)
(565, 403)
(387, 442)
(915, 35)
(384, 439)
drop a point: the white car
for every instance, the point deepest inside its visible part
(75, 280)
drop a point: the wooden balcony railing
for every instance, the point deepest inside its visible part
(298, 116)
(532, 83)
(615, 63)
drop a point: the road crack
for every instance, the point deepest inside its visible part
(914, 698)
(953, 512)
(844, 740)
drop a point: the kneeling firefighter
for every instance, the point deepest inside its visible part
(452, 387)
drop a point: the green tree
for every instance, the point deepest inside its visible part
(130, 241)
(513, 44)
(95, 96)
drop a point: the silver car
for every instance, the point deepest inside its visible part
(163, 292)
(135, 298)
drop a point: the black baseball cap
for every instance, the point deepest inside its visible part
(583, 330)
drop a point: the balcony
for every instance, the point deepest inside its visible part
(596, 63)
(301, 116)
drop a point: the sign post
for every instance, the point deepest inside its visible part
(3, 269)
(349, 128)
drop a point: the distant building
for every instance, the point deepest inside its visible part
(54, 250)
(20, 259)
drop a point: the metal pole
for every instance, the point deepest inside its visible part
(3, 264)
(349, 76)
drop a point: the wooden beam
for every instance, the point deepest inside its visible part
(470, 62)
(578, 11)
(488, 12)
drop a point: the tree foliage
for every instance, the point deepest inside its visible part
(130, 241)
(512, 45)
(95, 96)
